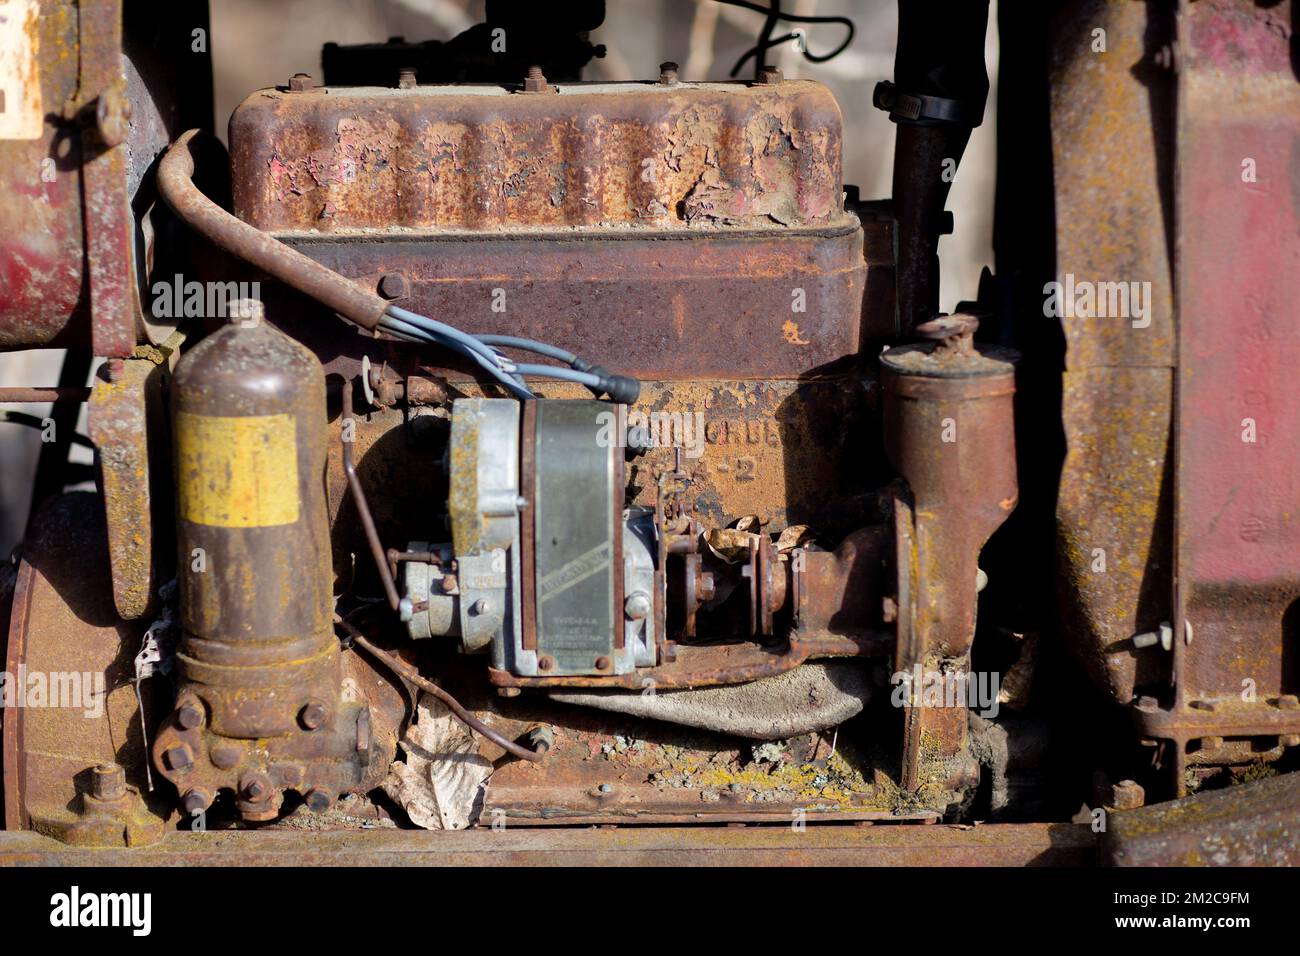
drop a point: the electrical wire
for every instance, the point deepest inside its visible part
(766, 41)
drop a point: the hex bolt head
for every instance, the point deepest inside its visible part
(300, 82)
(196, 801)
(770, 75)
(313, 715)
(108, 781)
(318, 800)
(189, 714)
(178, 758)
(480, 606)
(638, 606)
(668, 73)
(406, 79)
(602, 663)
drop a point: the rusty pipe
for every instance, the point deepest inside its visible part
(33, 396)
(408, 673)
(363, 509)
(176, 183)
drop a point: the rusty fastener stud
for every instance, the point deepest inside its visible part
(313, 714)
(189, 715)
(301, 82)
(406, 79)
(113, 116)
(535, 82)
(952, 334)
(668, 73)
(108, 782)
(769, 76)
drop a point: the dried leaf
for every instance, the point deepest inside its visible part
(440, 784)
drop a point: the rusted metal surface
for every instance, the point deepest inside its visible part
(42, 257)
(1253, 824)
(996, 845)
(722, 305)
(1112, 135)
(707, 666)
(176, 184)
(595, 156)
(126, 422)
(784, 451)
(1236, 654)
(949, 431)
(73, 249)
(64, 626)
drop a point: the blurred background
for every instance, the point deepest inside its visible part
(260, 43)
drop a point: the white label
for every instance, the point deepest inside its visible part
(21, 116)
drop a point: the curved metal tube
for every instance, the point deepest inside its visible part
(176, 184)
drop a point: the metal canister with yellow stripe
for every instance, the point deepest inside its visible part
(259, 663)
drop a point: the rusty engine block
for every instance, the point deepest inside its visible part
(559, 452)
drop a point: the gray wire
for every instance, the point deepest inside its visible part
(413, 332)
(530, 345)
(564, 374)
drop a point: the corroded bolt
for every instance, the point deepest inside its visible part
(406, 79)
(1126, 795)
(541, 739)
(394, 285)
(602, 663)
(449, 583)
(668, 73)
(108, 781)
(300, 82)
(313, 714)
(1147, 702)
(318, 800)
(479, 607)
(769, 75)
(196, 801)
(536, 81)
(178, 758)
(113, 116)
(705, 586)
(545, 662)
(952, 334)
(189, 715)
(1288, 702)
(255, 788)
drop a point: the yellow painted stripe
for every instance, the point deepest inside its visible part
(237, 472)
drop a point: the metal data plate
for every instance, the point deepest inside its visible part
(576, 540)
